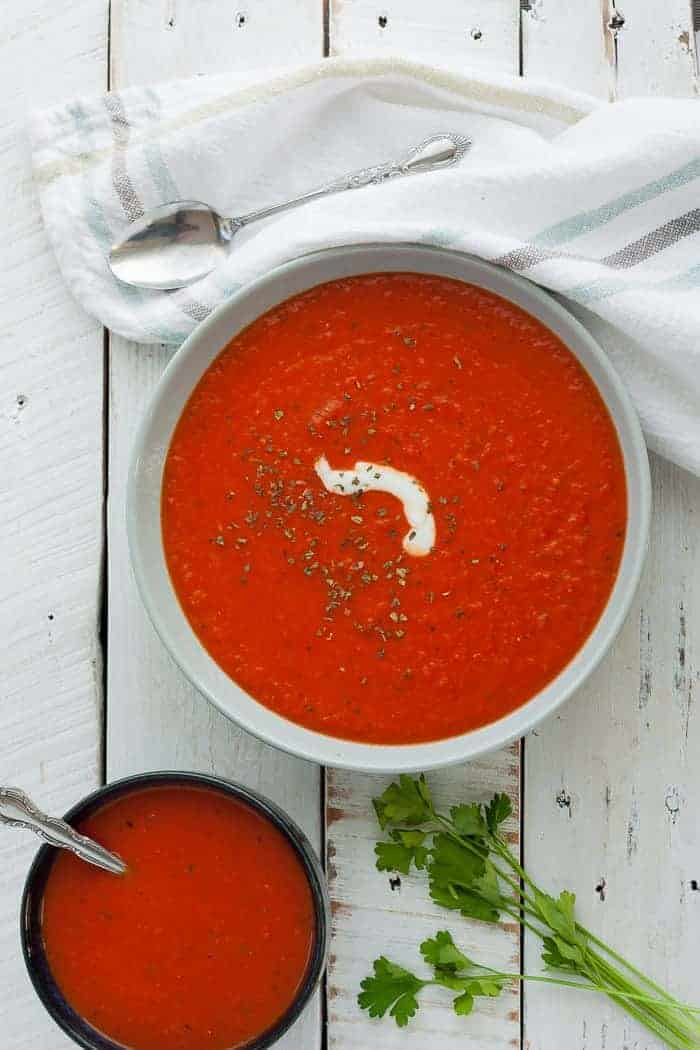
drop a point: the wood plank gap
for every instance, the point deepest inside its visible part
(323, 799)
(523, 859)
(326, 28)
(522, 6)
(109, 45)
(104, 573)
(103, 613)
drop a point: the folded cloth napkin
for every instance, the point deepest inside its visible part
(597, 202)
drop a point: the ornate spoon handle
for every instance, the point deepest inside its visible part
(439, 151)
(18, 810)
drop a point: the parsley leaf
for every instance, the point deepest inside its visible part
(405, 802)
(498, 810)
(488, 986)
(468, 820)
(451, 862)
(458, 879)
(487, 887)
(391, 988)
(463, 1004)
(553, 957)
(468, 904)
(559, 914)
(441, 952)
(405, 849)
(559, 954)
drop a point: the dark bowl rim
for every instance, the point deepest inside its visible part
(59, 1008)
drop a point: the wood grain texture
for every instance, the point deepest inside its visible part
(610, 782)
(463, 33)
(571, 43)
(552, 36)
(51, 357)
(155, 719)
(182, 38)
(655, 50)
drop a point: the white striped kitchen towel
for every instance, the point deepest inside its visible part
(598, 202)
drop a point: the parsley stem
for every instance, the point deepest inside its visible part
(507, 855)
(583, 986)
(655, 1014)
(517, 915)
(504, 850)
(623, 962)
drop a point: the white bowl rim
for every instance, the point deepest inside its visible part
(152, 443)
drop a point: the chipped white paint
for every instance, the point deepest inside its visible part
(611, 815)
(370, 477)
(552, 33)
(156, 40)
(655, 54)
(466, 34)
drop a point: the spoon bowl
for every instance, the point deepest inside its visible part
(172, 246)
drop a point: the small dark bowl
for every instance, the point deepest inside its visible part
(30, 917)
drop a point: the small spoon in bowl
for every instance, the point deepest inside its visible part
(18, 810)
(178, 243)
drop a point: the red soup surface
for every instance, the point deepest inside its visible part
(309, 600)
(205, 941)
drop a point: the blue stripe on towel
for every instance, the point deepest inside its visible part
(586, 221)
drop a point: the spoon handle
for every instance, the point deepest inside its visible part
(18, 811)
(439, 151)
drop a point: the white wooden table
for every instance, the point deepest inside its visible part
(609, 789)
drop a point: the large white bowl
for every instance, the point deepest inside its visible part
(153, 440)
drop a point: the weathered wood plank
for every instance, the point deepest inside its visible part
(51, 482)
(375, 913)
(368, 916)
(155, 718)
(462, 33)
(609, 782)
(573, 44)
(654, 49)
(568, 44)
(610, 785)
(181, 38)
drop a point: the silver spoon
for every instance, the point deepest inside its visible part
(178, 243)
(18, 810)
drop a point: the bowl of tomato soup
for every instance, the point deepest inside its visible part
(216, 936)
(389, 507)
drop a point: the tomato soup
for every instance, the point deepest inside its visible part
(307, 587)
(207, 939)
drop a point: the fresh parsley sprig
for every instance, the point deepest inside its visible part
(471, 870)
(393, 989)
